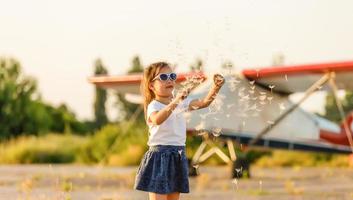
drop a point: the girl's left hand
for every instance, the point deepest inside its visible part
(218, 80)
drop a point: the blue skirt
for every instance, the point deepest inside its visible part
(163, 170)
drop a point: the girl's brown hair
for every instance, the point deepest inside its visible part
(149, 73)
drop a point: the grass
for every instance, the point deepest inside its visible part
(51, 148)
(117, 144)
(286, 158)
(124, 145)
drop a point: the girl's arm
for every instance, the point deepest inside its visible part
(160, 116)
(206, 101)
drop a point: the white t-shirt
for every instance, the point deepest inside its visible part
(173, 130)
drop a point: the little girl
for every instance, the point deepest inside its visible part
(163, 171)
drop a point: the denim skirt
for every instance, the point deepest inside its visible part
(163, 170)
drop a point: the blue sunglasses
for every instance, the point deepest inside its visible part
(164, 77)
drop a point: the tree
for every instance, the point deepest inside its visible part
(16, 92)
(64, 121)
(136, 66)
(197, 66)
(331, 110)
(101, 97)
(128, 107)
(23, 112)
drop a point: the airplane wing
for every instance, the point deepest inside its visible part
(298, 78)
(122, 84)
(130, 84)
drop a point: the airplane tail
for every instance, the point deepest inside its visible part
(341, 137)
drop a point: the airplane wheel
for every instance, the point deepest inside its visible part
(192, 170)
(240, 168)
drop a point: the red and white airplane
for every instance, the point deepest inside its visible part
(254, 109)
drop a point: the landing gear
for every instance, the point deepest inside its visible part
(193, 169)
(240, 168)
(200, 156)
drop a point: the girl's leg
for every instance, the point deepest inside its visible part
(173, 196)
(154, 196)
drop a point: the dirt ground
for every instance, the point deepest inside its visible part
(115, 183)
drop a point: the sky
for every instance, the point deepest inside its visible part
(58, 41)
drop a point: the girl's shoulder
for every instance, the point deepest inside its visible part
(155, 104)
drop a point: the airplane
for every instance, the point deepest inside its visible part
(253, 108)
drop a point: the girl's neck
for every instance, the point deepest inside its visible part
(164, 100)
